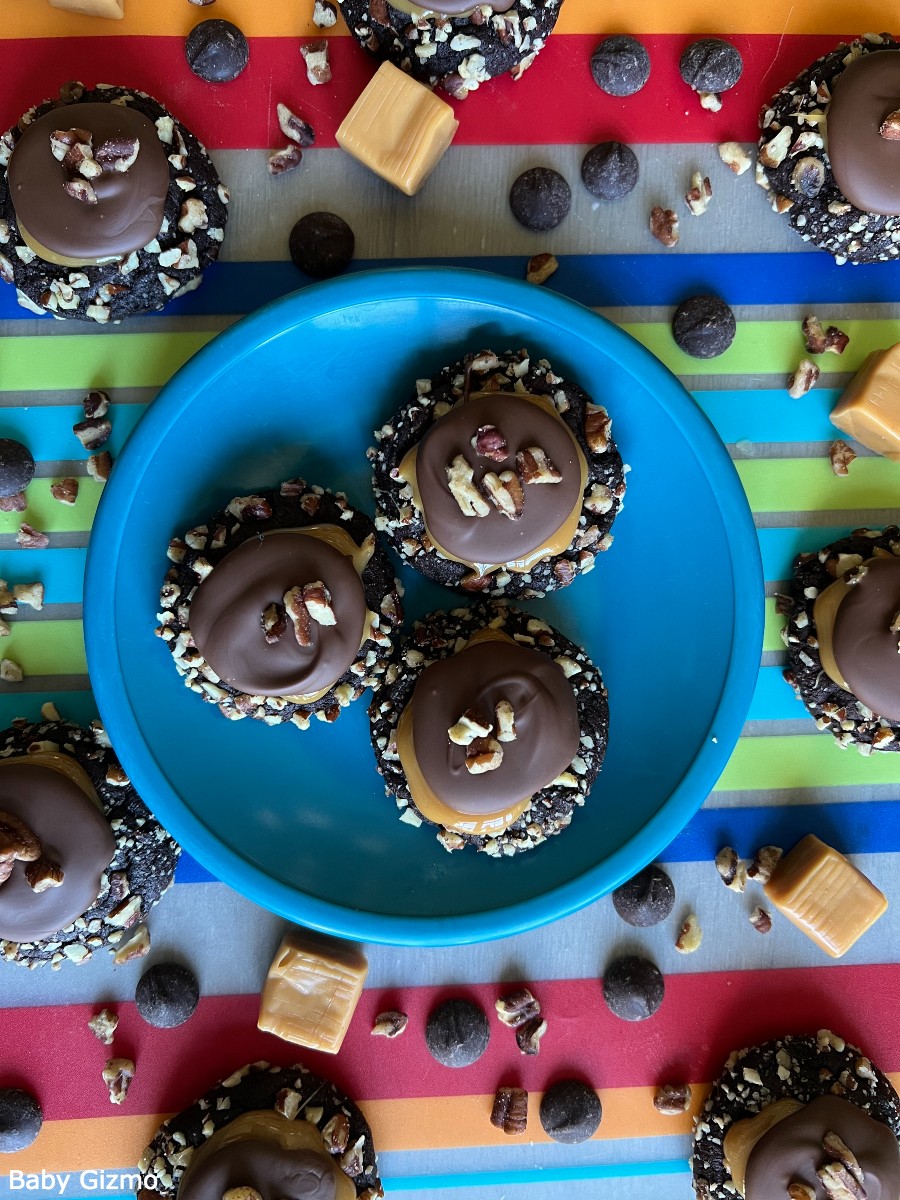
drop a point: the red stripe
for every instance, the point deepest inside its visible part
(702, 1018)
(554, 102)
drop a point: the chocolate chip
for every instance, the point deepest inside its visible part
(703, 326)
(457, 1033)
(646, 899)
(711, 65)
(609, 171)
(16, 467)
(633, 988)
(20, 1119)
(540, 199)
(570, 1111)
(322, 244)
(620, 65)
(217, 51)
(166, 995)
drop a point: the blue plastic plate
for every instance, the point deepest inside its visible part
(299, 822)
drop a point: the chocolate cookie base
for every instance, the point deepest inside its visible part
(828, 219)
(796, 1068)
(458, 53)
(435, 638)
(294, 1092)
(295, 505)
(402, 523)
(144, 863)
(148, 278)
(847, 719)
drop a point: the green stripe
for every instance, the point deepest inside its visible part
(86, 361)
(815, 760)
(810, 485)
(772, 627)
(49, 515)
(46, 647)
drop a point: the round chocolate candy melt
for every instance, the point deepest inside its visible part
(166, 995)
(633, 988)
(217, 51)
(21, 1119)
(610, 170)
(570, 1111)
(703, 326)
(129, 204)
(620, 65)
(711, 65)
(866, 164)
(322, 244)
(457, 1033)
(646, 899)
(540, 199)
(16, 467)
(866, 649)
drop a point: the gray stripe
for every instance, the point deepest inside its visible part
(58, 541)
(50, 612)
(47, 683)
(53, 468)
(74, 397)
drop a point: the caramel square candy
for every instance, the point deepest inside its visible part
(113, 9)
(398, 128)
(312, 990)
(824, 895)
(869, 409)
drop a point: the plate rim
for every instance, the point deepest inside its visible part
(685, 798)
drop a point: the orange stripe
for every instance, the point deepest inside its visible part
(263, 18)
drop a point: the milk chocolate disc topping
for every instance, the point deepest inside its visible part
(866, 165)
(227, 615)
(73, 834)
(545, 716)
(793, 1151)
(275, 1173)
(129, 204)
(865, 648)
(495, 538)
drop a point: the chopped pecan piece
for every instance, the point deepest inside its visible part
(773, 153)
(890, 126)
(299, 615)
(803, 379)
(664, 225)
(30, 538)
(764, 863)
(840, 1152)
(135, 945)
(484, 754)
(10, 671)
(16, 503)
(315, 54)
(118, 154)
(505, 719)
(540, 268)
(79, 160)
(336, 1134)
(80, 189)
(699, 194)
(515, 1008)
(489, 442)
(99, 466)
(798, 1190)
(528, 1036)
(117, 1075)
(505, 492)
(839, 1184)
(672, 1099)
(841, 456)
(690, 937)
(471, 725)
(244, 1192)
(274, 623)
(390, 1024)
(96, 404)
(103, 1025)
(192, 215)
(317, 599)
(731, 870)
(510, 1110)
(250, 508)
(43, 874)
(597, 424)
(535, 467)
(17, 844)
(294, 128)
(761, 920)
(93, 432)
(284, 160)
(460, 478)
(712, 101)
(735, 157)
(62, 141)
(324, 14)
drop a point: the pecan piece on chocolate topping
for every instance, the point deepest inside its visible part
(535, 467)
(839, 1184)
(505, 492)
(841, 1153)
(118, 154)
(317, 599)
(43, 874)
(80, 189)
(274, 623)
(299, 615)
(460, 479)
(471, 725)
(890, 126)
(62, 141)
(505, 718)
(489, 442)
(245, 1192)
(484, 754)
(17, 844)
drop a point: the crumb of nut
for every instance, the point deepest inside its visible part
(797, 1190)
(711, 101)
(528, 1036)
(761, 920)
(103, 1025)
(821, 341)
(282, 161)
(117, 1075)
(804, 378)
(510, 1110)
(15, 503)
(135, 945)
(841, 456)
(44, 874)
(540, 268)
(11, 672)
(324, 14)
(699, 194)
(390, 1024)
(93, 432)
(517, 1007)
(732, 871)
(294, 128)
(764, 863)
(315, 54)
(65, 490)
(672, 1099)
(99, 466)
(664, 225)
(49, 711)
(244, 1192)
(890, 126)
(735, 157)
(30, 538)
(31, 594)
(5, 630)
(690, 935)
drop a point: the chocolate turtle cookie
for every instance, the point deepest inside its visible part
(498, 477)
(843, 634)
(264, 1131)
(805, 1118)
(458, 46)
(493, 728)
(82, 861)
(109, 206)
(282, 607)
(845, 199)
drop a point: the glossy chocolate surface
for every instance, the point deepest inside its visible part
(865, 649)
(866, 165)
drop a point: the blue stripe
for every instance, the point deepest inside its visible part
(78, 707)
(60, 571)
(773, 699)
(770, 415)
(47, 429)
(190, 871)
(601, 280)
(779, 547)
(538, 1175)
